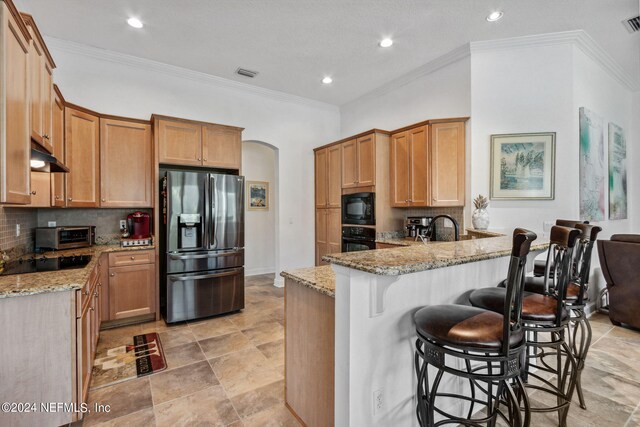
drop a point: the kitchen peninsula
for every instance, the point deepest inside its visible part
(358, 312)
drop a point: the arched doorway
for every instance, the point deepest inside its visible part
(262, 249)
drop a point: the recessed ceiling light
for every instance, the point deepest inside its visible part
(135, 22)
(386, 42)
(327, 80)
(494, 16)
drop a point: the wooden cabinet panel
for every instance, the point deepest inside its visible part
(15, 132)
(419, 166)
(366, 160)
(334, 177)
(349, 152)
(82, 146)
(103, 286)
(126, 159)
(40, 190)
(448, 164)
(321, 178)
(399, 169)
(57, 135)
(131, 291)
(334, 231)
(321, 235)
(36, 66)
(47, 106)
(120, 259)
(180, 143)
(83, 354)
(221, 147)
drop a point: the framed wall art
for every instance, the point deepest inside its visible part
(592, 163)
(257, 195)
(617, 173)
(523, 166)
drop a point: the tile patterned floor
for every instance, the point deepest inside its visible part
(222, 371)
(229, 371)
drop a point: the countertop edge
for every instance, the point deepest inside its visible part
(291, 275)
(431, 265)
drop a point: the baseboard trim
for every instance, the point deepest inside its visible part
(259, 270)
(279, 282)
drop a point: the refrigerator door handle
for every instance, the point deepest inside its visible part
(205, 228)
(223, 273)
(211, 208)
(217, 255)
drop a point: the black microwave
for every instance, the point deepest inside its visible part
(359, 208)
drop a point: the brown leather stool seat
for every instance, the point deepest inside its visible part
(535, 307)
(536, 285)
(464, 326)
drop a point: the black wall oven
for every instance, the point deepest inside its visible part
(358, 239)
(359, 209)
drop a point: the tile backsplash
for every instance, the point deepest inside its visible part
(105, 220)
(443, 233)
(9, 218)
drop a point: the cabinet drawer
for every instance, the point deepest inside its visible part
(118, 259)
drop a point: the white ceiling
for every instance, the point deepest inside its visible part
(294, 43)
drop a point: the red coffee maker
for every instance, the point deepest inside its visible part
(139, 225)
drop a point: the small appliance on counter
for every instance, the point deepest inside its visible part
(138, 230)
(69, 237)
(419, 226)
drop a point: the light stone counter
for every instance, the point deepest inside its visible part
(16, 285)
(421, 257)
(321, 279)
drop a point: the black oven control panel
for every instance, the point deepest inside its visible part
(359, 233)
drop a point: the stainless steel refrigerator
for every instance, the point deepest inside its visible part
(202, 241)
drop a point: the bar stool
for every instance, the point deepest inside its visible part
(577, 296)
(453, 335)
(540, 265)
(545, 314)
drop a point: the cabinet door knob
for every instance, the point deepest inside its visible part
(199, 159)
(86, 292)
(57, 197)
(133, 257)
(91, 308)
(34, 192)
(70, 199)
(95, 294)
(45, 136)
(205, 159)
(104, 200)
(112, 274)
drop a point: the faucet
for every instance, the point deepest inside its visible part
(456, 227)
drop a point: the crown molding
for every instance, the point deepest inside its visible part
(579, 38)
(180, 72)
(434, 65)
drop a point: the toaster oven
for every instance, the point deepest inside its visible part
(58, 238)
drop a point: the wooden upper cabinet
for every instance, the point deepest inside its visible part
(321, 178)
(180, 143)
(427, 165)
(334, 177)
(359, 162)
(419, 184)
(221, 147)
(57, 139)
(399, 165)
(366, 160)
(125, 164)
(82, 146)
(448, 164)
(15, 132)
(40, 190)
(41, 94)
(349, 151)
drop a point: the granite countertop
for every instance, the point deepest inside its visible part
(484, 233)
(321, 279)
(407, 241)
(415, 258)
(16, 285)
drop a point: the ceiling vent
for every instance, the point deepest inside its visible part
(632, 25)
(246, 73)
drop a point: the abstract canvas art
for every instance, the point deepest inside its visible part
(522, 166)
(592, 181)
(617, 173)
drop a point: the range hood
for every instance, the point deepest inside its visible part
(45, 162)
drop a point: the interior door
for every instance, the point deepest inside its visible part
(226, 211)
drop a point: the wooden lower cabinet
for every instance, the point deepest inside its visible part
(328, 233)
(131, 291)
